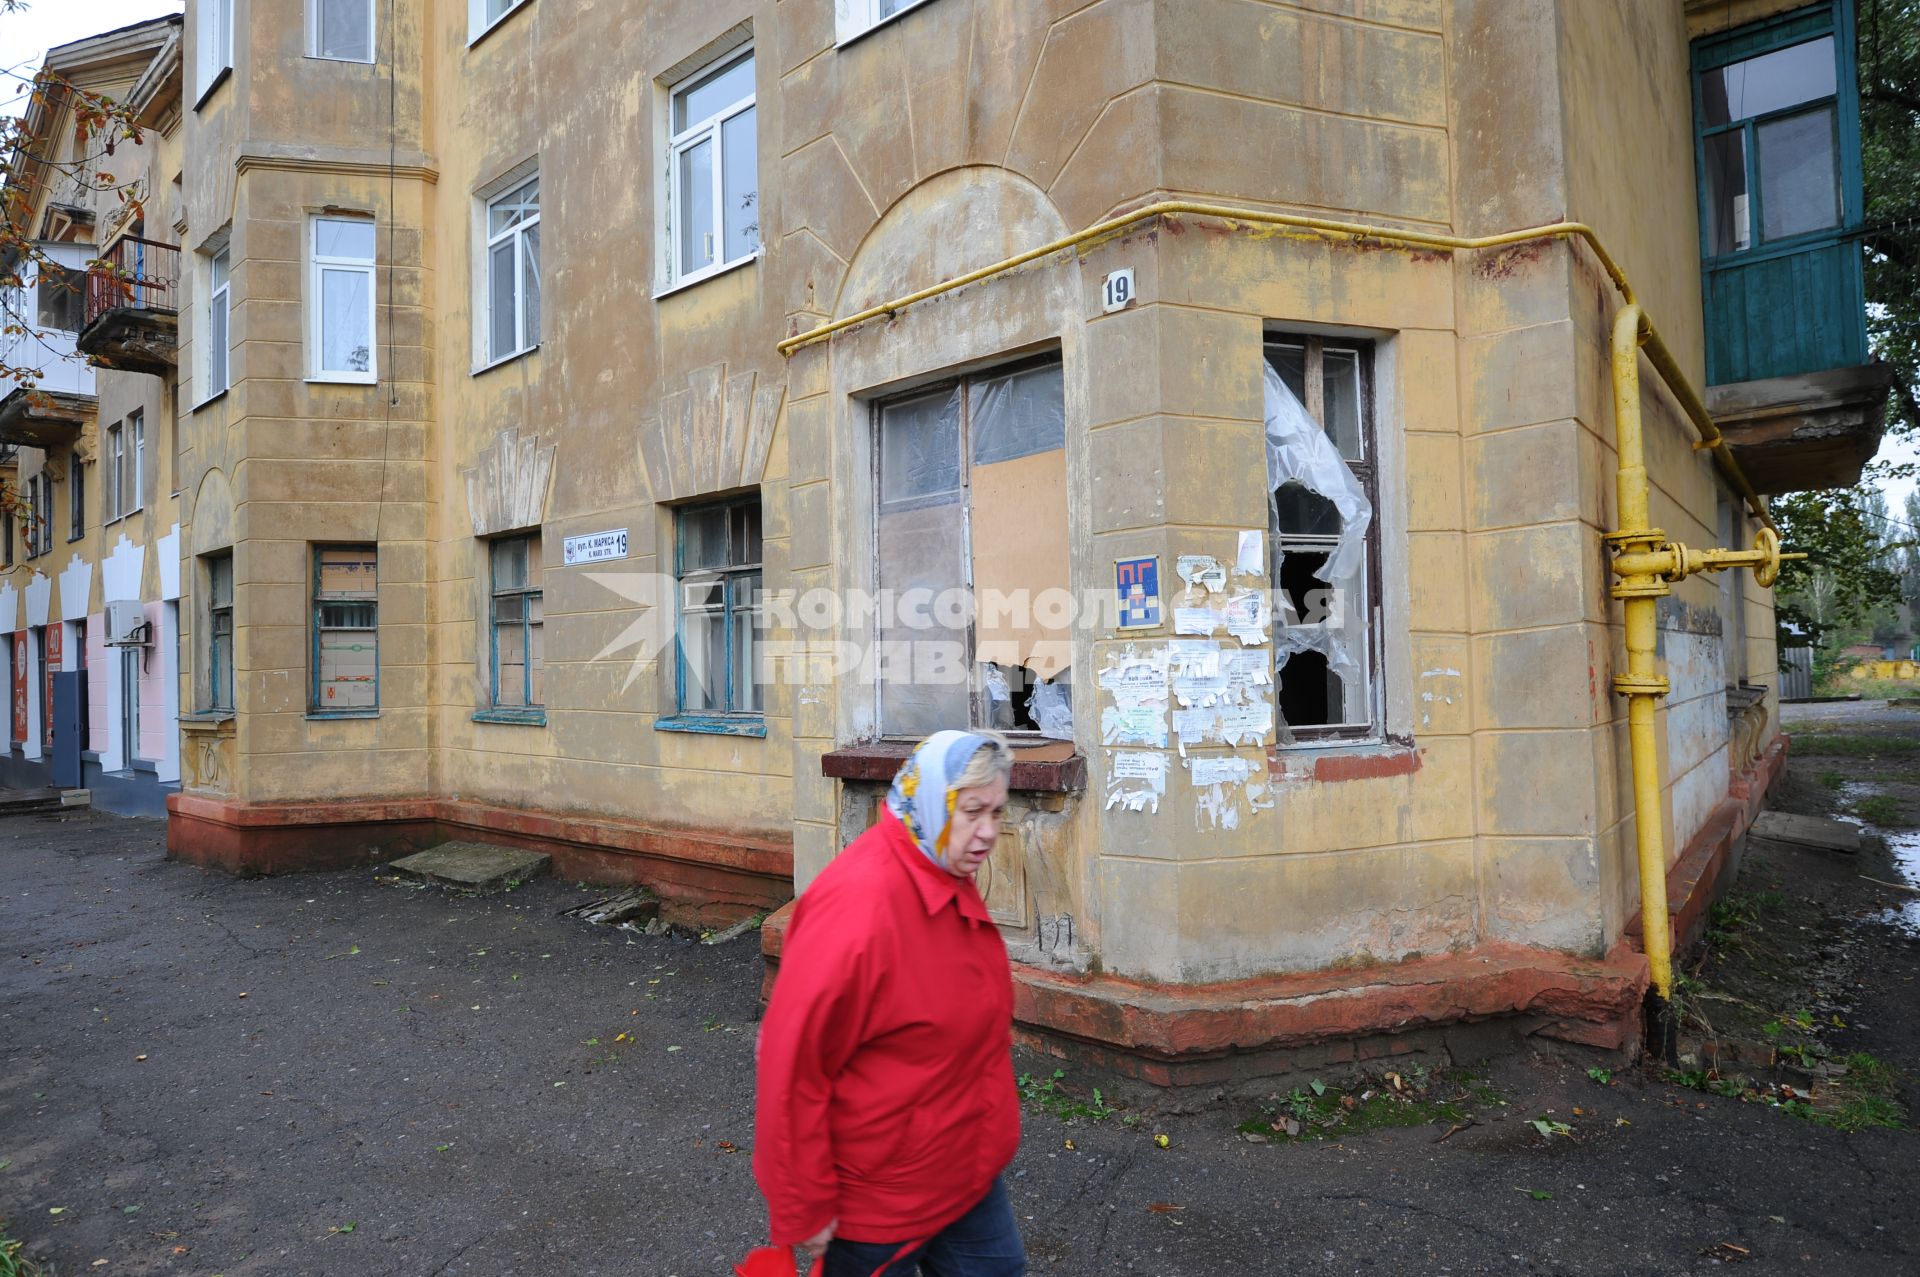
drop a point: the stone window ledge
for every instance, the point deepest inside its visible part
(1054, 767)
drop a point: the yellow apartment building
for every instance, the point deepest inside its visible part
(622, 430)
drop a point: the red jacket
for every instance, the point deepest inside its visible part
(886, 1095)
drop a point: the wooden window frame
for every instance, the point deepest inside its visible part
(731, 577)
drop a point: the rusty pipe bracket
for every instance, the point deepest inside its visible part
(1641, 685)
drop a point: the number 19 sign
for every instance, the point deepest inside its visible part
(1117, 291)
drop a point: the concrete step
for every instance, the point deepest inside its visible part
(473, 866)
(1817, 832)
(20, 802)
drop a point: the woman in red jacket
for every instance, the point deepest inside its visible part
(886, 1094)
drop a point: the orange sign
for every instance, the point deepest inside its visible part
(56, 642)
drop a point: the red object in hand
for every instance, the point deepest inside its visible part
(767, 1261)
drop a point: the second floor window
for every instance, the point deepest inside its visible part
(340, 29)
(219, 308)
(215, 18)
(76, 497)
(116, 458)
(61, 300)
(516, 609)
(341, 293)
(719, 573)
(1770, 146)
(713, 179)
(482, 15)
(512, 272)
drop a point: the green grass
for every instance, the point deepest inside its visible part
(1861, 1098)
(1881, 809)
(1048, 1094)
(1831, 780)
(12, 1262)
(1853, 744)
(1322, 1112)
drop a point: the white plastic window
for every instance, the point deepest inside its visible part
(340, 29)
(341, 293)
(484, 15)
(215, 40)
(219, 311)
(116, 471)
(136, 461)
(713, 178)
(512, 272)
(854, 18)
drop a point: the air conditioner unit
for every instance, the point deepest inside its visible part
(127, 624)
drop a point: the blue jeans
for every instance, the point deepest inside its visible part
(984, 1242)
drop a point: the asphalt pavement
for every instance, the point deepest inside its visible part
(336, 1074)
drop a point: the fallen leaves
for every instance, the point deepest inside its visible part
(1727, 1252)
(1537, 1194)
(1163, 1208)
(1549, 1129)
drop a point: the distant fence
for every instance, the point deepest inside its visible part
(1796, 673)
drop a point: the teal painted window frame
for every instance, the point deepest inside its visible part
(1832, 18)
(732, 578)
(219, 647)
(528, 711)
(321, 600)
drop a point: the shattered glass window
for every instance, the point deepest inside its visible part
(1325, 549)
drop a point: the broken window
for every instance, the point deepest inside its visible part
(720, 616)
(346, 644)
(518, 613)
(975, 612)
(1321, 474)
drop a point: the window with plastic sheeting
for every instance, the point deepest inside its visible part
(1321, 471)
(517, 610)
(975, 613)
(718, 567)
(346, 629)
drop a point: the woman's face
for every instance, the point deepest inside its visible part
(975, 827)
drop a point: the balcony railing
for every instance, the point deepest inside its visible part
(135, 274)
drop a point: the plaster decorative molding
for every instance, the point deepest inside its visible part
(39, 594)
(713, 436)
(168, 548)
(508, 484)
(76, 589)
(120, 571)
(9, 608)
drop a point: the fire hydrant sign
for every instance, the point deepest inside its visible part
(594, 547)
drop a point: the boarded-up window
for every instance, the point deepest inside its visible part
(346, 630)
(972, 531)
(517, 612)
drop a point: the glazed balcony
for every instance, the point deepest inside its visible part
(48, 383)
(132, 320)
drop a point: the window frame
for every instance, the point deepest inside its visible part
(726, 720)
(487, 240)
(479, 24)
(318, 265)
(220, 675)
(1367, 471)
(215, 47)
(707, 129)
(853, 19)
(137, 461)
(114, 454)
(876, 417)
(318, 626)
(219, 354)
(528, 711)
(76, 497)
(1829, 20)
(313, 32)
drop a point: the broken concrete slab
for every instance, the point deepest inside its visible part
(1816, 832)
(636, 905)
(473, 866)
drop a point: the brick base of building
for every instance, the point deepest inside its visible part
(704, 877)
(1466, 1005)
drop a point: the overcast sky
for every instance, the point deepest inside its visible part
(26, 36)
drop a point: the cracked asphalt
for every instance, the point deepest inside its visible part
(328, 1074)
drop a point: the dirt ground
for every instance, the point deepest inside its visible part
(334, 1074)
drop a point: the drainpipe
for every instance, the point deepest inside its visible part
(1646, 563)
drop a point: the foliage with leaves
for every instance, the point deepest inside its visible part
(1889, 32)
(1852, 566)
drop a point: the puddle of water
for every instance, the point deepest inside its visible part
(1905, 849)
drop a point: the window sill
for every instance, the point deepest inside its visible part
(221, 77)
(476, 37)
(328, 57)
(207, 717)
(886, 21)
(477, 369)
(701, 277)
(1055, 768)
(342, 379)
(327, 716)
(523, 717)
(712, 725)
(212, 398)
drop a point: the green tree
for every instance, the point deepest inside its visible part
(1852, 570)
(1890, 158)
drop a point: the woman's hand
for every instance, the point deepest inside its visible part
(816, 1245)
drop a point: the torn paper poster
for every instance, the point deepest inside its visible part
(1136, 780)
(1252, 556)
(1217, 808)
(1195, 620)
(1246, 723)
(1248, 673)
(1136, 678)
(1141, 725)
(1211, 690)
(1201, 571)
(1199, 726)
(1193, 658)
(1249, 617)
(1231, 770)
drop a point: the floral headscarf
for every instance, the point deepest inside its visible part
(923, 793)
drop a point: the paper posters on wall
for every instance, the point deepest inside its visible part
(1134, 692)
(1136, 780)
(1252, 554)
(1202, 572)
(1224, 784)
(1195, 620)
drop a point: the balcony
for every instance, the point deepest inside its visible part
(52, 392)
(132, 320)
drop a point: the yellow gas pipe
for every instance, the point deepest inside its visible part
(1645, 562)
